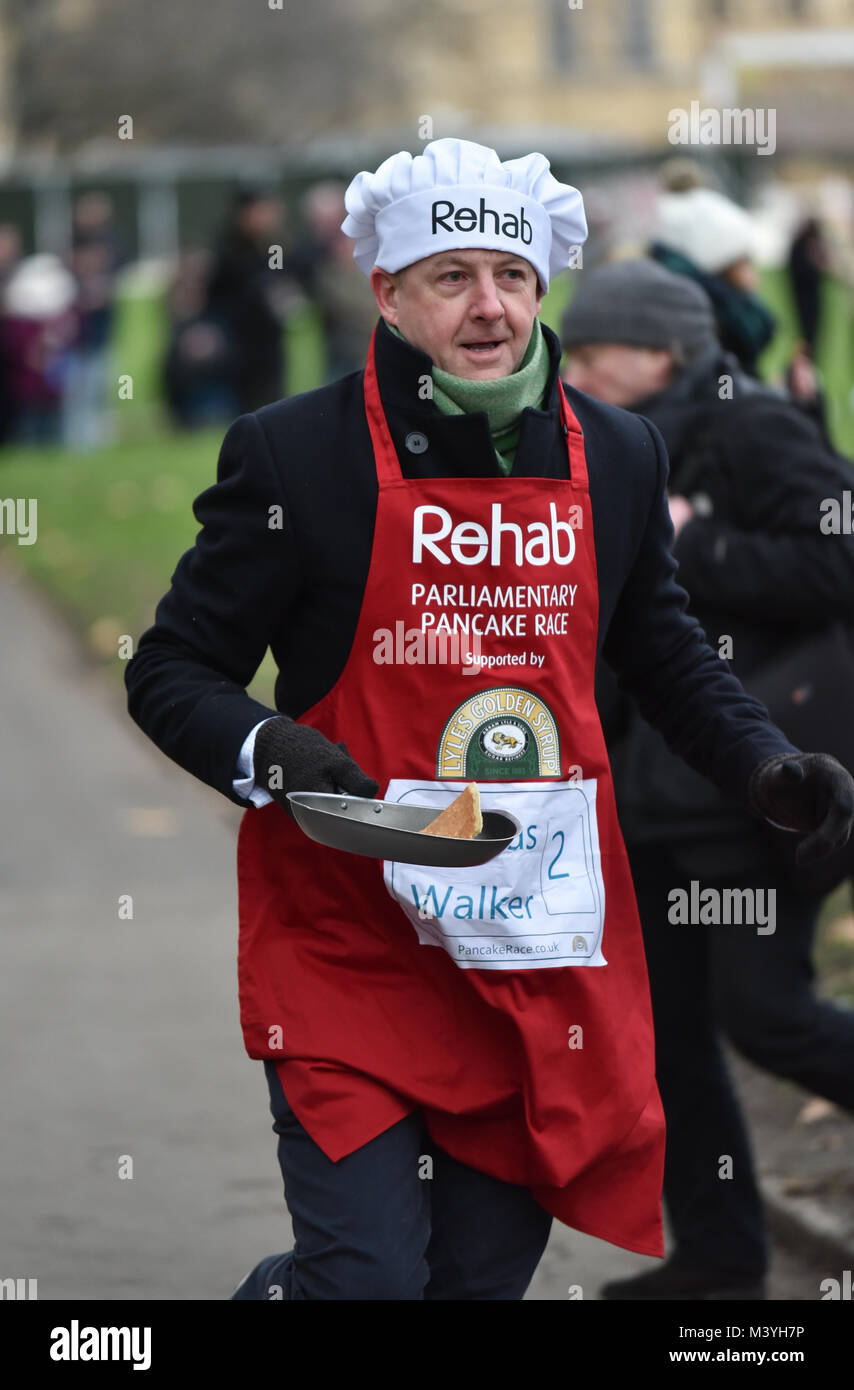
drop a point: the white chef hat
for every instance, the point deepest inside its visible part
(459, 194)
(705, 226)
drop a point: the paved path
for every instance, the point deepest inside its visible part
(121, 1037)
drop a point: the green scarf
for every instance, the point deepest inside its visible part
(503, 399)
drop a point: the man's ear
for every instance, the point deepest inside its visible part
(539, 293)
(384, 286)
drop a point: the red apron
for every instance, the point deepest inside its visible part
(510, 1002)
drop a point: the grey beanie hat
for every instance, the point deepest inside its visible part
(639, 303)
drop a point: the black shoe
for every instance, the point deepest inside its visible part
(674, 1280)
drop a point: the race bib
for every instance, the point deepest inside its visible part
(538, 904)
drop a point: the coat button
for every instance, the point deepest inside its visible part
(416, 443)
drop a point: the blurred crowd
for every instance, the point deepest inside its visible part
(56, 319)
(227, 312)
(228, 305)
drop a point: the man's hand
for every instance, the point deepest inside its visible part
(806, 792)
(291, 757)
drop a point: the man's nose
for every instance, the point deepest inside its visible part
(485, 301)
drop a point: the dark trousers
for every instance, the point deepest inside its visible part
(758, 990)
(376, 1225)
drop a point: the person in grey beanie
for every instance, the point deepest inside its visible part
(748, 472)
(632, 326)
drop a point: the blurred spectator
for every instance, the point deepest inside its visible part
(10, 252)
(39, 324)
(198, 370)
(601, 229)
(96, 257)
(681, 173)
(748, 474)
(322, 210)
(702, 234)
(324, 268)
(808, 262)
(249, 298)
(347, 308)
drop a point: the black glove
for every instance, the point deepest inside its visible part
(806, 792)
(291, 757)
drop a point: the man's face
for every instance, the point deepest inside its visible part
(619, 374)
(471, 311)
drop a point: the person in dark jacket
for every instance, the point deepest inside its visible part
(748, 473)
(198, 367)
(245, 296)
(808, 263)
(316, 527)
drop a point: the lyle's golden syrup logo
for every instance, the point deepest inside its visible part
(504, 738)
(504, 732)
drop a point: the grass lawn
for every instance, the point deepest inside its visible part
(112, 523)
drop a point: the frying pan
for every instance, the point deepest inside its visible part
(388, 830)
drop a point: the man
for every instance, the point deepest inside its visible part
(748, 475)
(453, 1057)
(247, 298)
